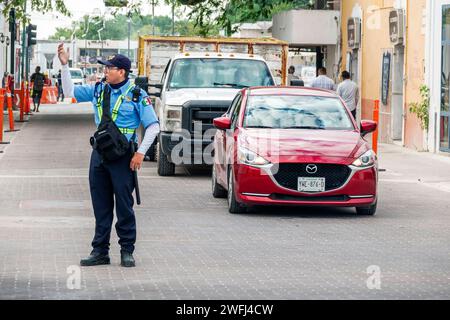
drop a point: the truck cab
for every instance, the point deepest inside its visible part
(195, 88)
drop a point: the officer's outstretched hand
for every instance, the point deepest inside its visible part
(63, 55)
(136, 162)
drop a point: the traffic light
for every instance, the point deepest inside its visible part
(12, 21)
(31, 34)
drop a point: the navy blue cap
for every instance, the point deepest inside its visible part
(119, 60)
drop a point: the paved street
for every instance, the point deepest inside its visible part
(190, 247)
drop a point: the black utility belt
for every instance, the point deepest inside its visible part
(109, 142)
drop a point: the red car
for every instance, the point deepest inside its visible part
(293, 146)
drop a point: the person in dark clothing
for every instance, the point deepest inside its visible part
(37, 78)
(59, 85)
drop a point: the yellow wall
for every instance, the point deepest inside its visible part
(415, 69)
(375, 41)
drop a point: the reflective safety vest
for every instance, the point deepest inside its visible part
(115, 111)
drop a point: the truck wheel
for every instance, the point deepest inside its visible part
(165, 168)
(217, 190)
(233, 205)
(151, 153)
(367, 211)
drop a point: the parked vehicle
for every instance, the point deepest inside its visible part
(78, 78)
(197, 80)
(293, 146)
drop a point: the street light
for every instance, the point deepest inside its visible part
(129, 31)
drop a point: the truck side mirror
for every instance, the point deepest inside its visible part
(142, 82)
(157, 85)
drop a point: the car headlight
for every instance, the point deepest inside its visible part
(250, 158)
(172, 118)
(368, 159)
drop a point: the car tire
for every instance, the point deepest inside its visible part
(217, 190)
(233, 206)
(165, 167)
(367, 211)
(151, 153)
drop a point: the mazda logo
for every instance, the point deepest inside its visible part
(311, 168)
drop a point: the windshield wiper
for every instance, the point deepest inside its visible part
(233, 85)
(305, 127)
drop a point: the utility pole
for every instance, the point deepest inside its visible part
(153, 17)
(129, 31)
(24, 75)
(173, 19)
(12, 29)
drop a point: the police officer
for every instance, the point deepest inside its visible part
(111, 180)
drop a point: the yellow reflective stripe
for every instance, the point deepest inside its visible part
(99, 107)
(126, 130)
(115, 111)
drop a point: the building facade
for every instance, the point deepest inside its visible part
(437, 53)
(383, 47)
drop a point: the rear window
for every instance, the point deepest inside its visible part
(296, 112)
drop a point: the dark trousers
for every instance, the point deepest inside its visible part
(37, 95)
(109, 182)
(60, 93)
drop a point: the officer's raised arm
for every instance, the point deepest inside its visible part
(81, 93)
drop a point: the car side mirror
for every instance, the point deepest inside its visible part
(368, 126)
(222, 123)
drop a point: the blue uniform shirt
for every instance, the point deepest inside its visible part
(131, 114)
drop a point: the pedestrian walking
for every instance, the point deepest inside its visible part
(291, 76)
(59, 85)
(349, 92)
(323, 81)
(37, 79)
(119, 107)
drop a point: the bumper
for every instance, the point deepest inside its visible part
(255, 186)
(182, 150)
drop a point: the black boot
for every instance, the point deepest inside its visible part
(95, 259)
(126, 259)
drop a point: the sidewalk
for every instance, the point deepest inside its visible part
(409, 166)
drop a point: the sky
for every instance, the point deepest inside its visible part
(47, 24)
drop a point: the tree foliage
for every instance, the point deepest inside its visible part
(115, 28)
(42, 6)
(208, 14)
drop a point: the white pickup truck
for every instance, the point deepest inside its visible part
(197, 86)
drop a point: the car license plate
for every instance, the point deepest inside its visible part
(311, 184)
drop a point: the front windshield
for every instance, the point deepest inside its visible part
(296, 112)
(216, 73)
(76, 74)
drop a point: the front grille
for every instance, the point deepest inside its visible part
(335, 175)
(203, 113)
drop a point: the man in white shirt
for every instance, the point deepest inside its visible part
(349, 92)
(322, 81)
